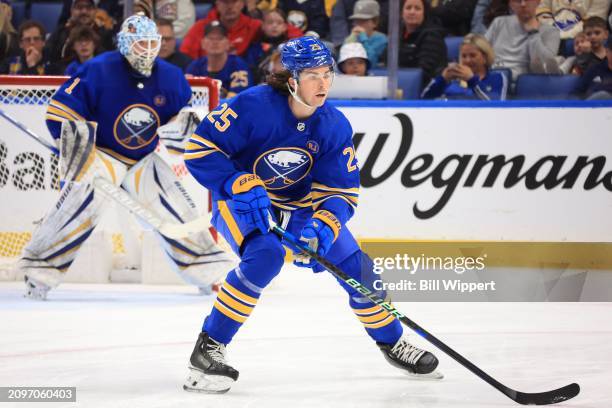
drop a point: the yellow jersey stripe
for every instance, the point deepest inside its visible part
(191, 156)
(66, 109)
(232, 315)
(368, 311)
(227, 216)
(234, 304)
(382, 323)
(54, 118)
(373, 318)
(239, 295)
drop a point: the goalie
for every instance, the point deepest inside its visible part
(130, 94)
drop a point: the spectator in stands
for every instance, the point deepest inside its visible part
(486, 11)
(567, 15)
(168, 51)
(422, 45)
(521, 43)
(365, 19)
(597, 81)
(82, 46)
(32, 59)
(353, 59)
(108, 13)
(9, 42)
(307, 15)
(578, 63)
(274, 31)
(454, 15)
(231, 70)
(597, 32)
(242, 30)
(180, 12)
(471, 78)
(82, 12)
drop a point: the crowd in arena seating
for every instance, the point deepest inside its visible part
(463, 49)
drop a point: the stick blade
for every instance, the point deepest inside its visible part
(549, 397)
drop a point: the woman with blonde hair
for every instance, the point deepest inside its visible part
(471, 78)
(9, 43)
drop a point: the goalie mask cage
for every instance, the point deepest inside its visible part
(29, 184)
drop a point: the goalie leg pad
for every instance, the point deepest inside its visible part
(197, 259)
(56, 241)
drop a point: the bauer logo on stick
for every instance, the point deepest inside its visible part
(282, 167)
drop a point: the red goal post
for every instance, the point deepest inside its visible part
(29, 173)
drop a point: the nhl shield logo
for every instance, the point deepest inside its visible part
(136, 126)
(281, 167)
(301, 126)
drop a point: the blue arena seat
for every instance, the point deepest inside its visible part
(409, 80)
(202, 10)
(453, 44)
(46, 13)
(19, 12)
(539, 86)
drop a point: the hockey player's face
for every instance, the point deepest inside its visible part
(314, 85)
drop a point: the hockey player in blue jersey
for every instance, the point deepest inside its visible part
(280, 148)
(130, 94)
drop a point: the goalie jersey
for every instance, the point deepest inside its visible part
(127, 107)
(303, 163)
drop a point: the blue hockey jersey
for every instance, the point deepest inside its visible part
(235, 76)
(303, 163)
(127, 107)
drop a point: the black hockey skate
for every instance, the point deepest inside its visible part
(415, 361)
(208, 371)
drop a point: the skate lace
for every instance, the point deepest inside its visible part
(216, 351)
(407, 352)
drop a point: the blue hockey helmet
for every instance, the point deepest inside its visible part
(303, 53)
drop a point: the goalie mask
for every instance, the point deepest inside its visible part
(139, 42)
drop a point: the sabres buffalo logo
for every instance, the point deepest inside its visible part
(281, 167)
(136, 126)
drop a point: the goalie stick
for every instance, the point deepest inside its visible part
(169, 229)
(524, 398)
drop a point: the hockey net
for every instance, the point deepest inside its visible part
(29, 177)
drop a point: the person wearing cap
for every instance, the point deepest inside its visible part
(231, 70)
(353, 59)
(597, 81)
(82, 12)
(168, 51)
(365, 20)
(242, 30)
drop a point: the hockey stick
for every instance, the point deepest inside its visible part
(524, 398)
(169, 229)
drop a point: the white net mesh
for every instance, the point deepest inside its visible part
(28, 172)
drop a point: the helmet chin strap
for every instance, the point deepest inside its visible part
(296, 96)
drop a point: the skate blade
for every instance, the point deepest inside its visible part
(197, 381)
(435, 375)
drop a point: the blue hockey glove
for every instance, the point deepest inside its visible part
(319, 234)
(250, 199)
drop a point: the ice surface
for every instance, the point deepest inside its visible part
(128, 346)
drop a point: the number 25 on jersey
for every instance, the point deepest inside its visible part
(221, 117)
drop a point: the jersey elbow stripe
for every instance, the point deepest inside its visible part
(197, 155)
(205, 143)
(54, 118)
(317, 202)
(66, 109)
